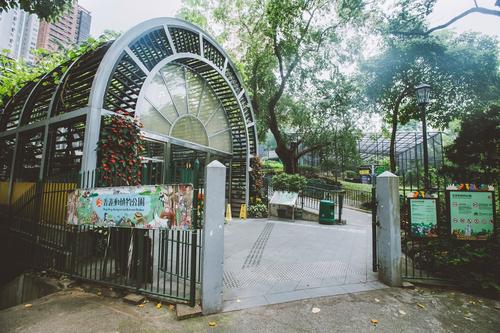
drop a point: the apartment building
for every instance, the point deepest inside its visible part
(18, 34)
(71, 28)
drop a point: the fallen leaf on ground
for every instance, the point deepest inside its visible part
(316, 310)
(212, 323)
(141, 305)
(421, 305)
(402, 312)
(374, 321)
(28, 305)
(158, 306)
(377, 300)
(171, 307)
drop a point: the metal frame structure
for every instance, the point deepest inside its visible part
(112, 78)
(409, 154)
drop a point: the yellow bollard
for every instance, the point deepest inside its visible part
(228, 214)
(243, 212)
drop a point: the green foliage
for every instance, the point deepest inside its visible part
(290, 51)
(120, 147)
(14, 74)
(258, 210)
(272, 167)
(288, 182)
(256, 178)
(474, 265)
(474, 155)
(309, 171)
(462, 70)
(48, 10)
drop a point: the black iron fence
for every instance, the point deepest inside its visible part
(163, 263)
(358, 198)
(310, 197)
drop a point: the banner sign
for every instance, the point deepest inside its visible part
(423, 217)
(472, 214)
(148, 207)
(284, 198)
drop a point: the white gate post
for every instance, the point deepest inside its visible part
(213, 238)
(389, 229)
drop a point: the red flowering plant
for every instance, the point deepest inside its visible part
(120, 147)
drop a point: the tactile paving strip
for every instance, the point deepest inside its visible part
(230, 280)
(255, 255)
(270, 274)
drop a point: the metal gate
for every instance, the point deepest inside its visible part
(161, 263)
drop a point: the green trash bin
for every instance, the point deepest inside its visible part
(326, 212)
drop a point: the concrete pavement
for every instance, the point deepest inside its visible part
(273, 261)
(393, 309)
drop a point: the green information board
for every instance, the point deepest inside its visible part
(423, 217)
(472, 215)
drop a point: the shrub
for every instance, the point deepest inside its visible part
(272, 167)
(290, 183)
(258, 211)
(256, 179)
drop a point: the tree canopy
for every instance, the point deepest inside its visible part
(48, 10)
(474, 155)
(463, 71)
(287, 50)
(14, 74)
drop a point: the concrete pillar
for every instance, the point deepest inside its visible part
(389, 229)
(213, 238)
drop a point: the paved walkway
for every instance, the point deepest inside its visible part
(271, 261)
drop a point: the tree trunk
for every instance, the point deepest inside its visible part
(392, 148)
(288, 158)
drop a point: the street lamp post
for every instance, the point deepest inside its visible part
(423, 92)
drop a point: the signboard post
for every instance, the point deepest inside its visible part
(283, 198)
(423, 217)
(472, 214)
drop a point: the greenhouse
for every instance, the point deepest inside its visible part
(165, 72)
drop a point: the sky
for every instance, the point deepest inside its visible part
(121, 15)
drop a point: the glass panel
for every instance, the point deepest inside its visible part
(157, 94)
(208, 105)
(221, 142)
(190, 129)
(217, 122)
(153, 120)
(195, 88)
(174, 77)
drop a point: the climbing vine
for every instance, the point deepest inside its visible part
(120, 148)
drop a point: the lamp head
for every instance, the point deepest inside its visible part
(423, 93)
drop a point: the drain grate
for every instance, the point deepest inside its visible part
(255, 255)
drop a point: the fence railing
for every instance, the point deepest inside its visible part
(310, 198)
(163, 263)
(358, 198)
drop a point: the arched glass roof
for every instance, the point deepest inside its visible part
(177, 102)
(166, 71)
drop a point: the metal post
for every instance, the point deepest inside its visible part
(374, 230)
(426, 153)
